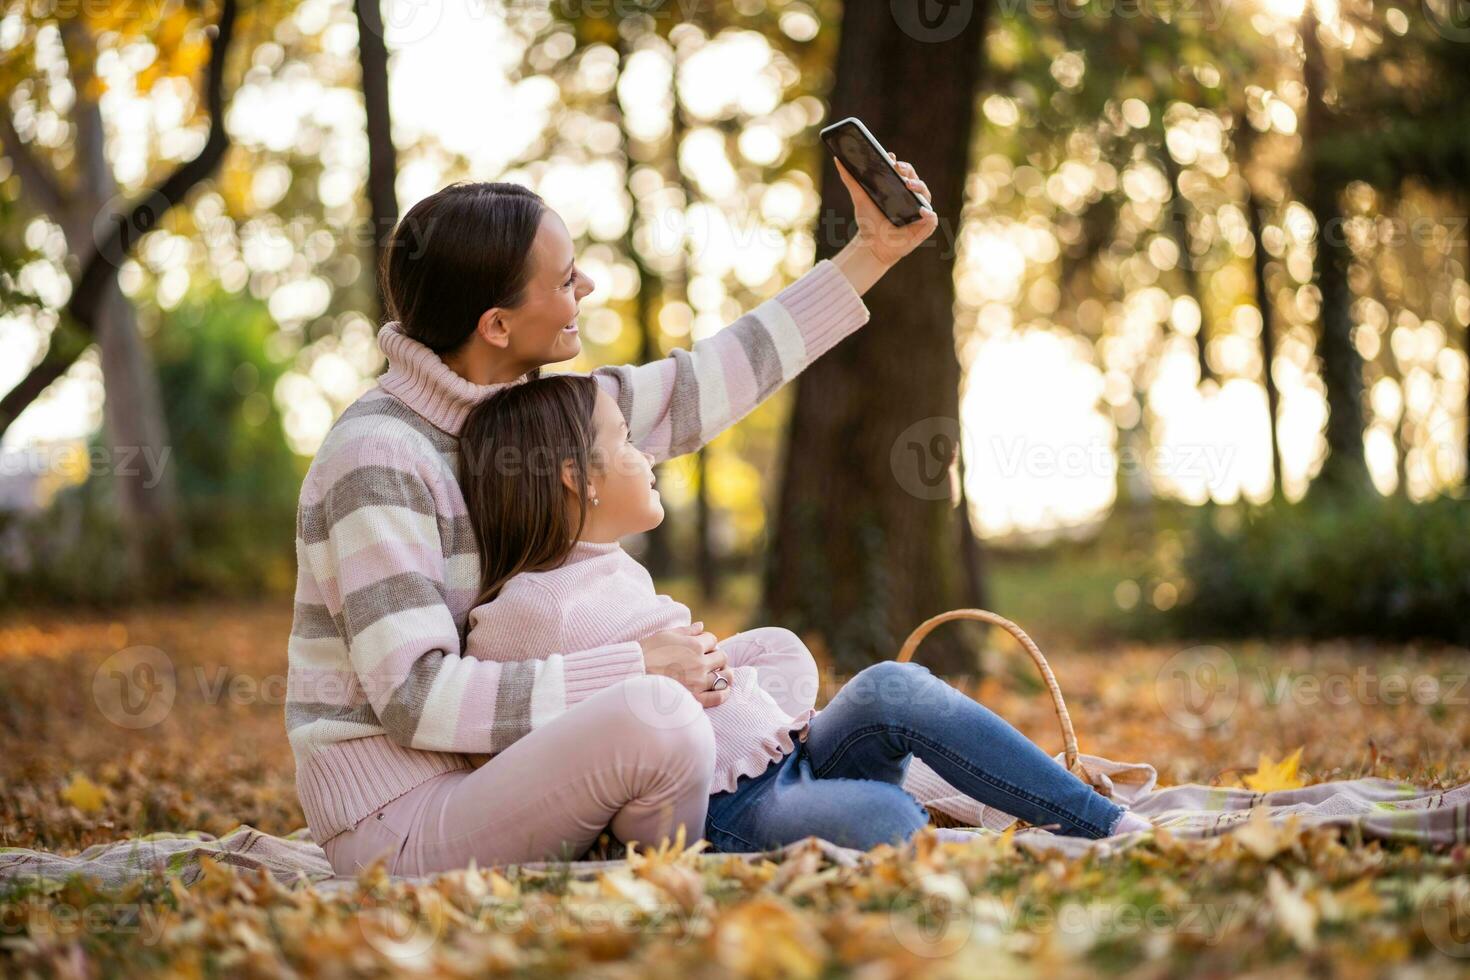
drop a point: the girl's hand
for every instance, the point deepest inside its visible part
(883, 240)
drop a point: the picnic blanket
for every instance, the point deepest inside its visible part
(1378, 808)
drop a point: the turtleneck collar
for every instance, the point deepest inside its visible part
(422, 381)
(583, 550)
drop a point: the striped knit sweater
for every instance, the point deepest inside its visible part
(380, 694)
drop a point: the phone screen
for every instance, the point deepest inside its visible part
(876, 175)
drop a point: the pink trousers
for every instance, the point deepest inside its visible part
(638, 756)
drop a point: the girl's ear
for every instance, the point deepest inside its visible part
(492, 328)
(569, 477)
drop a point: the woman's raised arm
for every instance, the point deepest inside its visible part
(677, 404)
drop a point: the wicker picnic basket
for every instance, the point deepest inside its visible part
(1069, 736)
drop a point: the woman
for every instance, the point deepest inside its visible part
(483, 289)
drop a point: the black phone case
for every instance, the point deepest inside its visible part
(873, 172)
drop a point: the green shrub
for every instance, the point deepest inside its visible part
(1355, 566)
(237, 478)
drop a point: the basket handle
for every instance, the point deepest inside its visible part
(1069, 736)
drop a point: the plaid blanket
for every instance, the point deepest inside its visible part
(1378, 808)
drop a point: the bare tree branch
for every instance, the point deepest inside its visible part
(382, 155)
(115, 241)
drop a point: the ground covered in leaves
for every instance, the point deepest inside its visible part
(80, 764)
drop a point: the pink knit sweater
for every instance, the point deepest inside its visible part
(601, 596)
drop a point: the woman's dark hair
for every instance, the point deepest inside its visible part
(511, 453)
(456, 254)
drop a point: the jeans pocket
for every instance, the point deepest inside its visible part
(725, 842)
(354, 850)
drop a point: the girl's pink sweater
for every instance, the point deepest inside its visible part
(601, 596)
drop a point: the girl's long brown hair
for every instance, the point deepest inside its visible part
(512, 450)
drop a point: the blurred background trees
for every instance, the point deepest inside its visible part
(1193, 328)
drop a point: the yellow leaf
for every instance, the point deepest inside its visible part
(1263, 838)
(766, 937)
(1294, 914)
(84, 794)
(1270, 776)
(683, 884)
(1355, 902)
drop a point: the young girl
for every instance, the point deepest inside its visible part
(552, 481)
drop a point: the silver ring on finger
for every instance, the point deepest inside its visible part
(721, 682)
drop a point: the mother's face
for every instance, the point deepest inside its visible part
(543, 328)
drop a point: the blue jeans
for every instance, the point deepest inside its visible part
(842, 783)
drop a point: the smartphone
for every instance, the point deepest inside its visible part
(867, 161)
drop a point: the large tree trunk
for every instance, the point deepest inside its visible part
(382, 155)
(864, 545)
(1342, 367)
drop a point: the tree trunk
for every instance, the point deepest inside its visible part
(382, 155)
(864, 542)
(138, 439)
(1342, 367)
(705, 572)
(1179, 227)
(113, 240)
(135, 428)
(656, 556)
(705, 567)
(1260, 259)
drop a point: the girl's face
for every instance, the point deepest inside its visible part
(621, 480)
(543, 329)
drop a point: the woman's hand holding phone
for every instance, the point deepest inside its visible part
(879, 241)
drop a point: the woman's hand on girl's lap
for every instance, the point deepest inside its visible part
(881, 239)
(688, 655)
